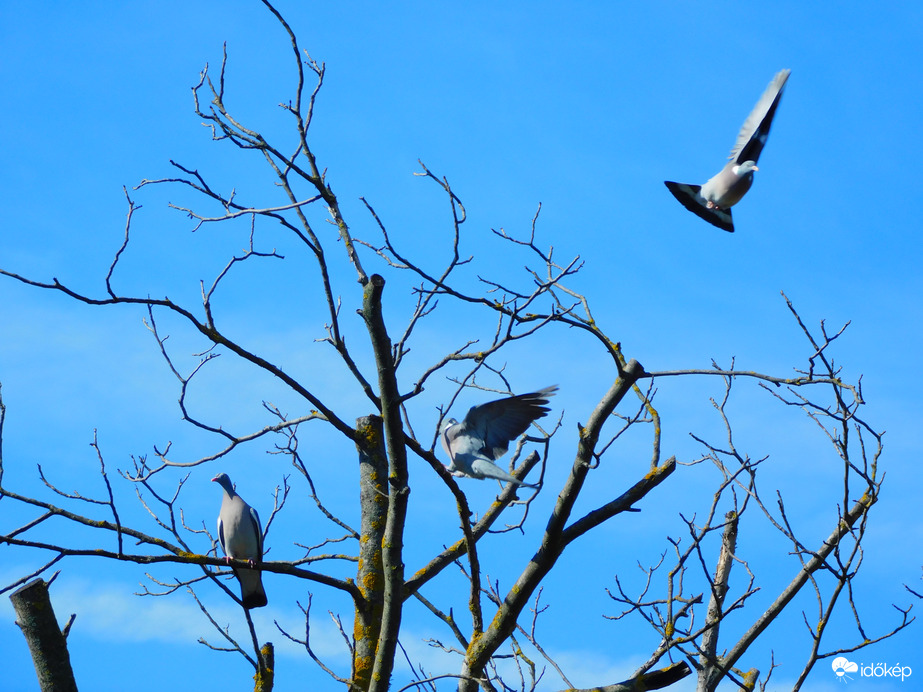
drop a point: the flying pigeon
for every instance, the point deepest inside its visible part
(241, 538)
(713, 200)
(485, 435)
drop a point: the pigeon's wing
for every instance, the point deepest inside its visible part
(221, 535)
(258, 531)
(689, 197)
(753, 135)
(487, 469)
(499, 422)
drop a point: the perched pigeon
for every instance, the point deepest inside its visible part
(485, 435)
(241, 538)
(713, 200)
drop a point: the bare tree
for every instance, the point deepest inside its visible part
(685, 598)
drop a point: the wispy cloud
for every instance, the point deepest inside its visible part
(106, 612)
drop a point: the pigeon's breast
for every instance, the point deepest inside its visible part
(240, 538)
(727, 188)
(737, 191)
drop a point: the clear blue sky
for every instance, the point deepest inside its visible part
(585, 108)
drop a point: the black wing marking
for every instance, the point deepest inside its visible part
(755, 131)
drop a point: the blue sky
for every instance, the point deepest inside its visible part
(585, 108)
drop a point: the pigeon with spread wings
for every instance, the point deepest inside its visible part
(485, 434)
(713, 200)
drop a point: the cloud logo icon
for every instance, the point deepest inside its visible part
(841, 665)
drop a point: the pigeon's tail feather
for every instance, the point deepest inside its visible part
(255, 600)
(689, 197)
(482, 468)
(252, 594)
(682, 189)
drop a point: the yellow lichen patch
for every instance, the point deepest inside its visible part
(371, 582)
(263, 680)
(495, 623)
(475, 637)
(749, 678)
(369, 434)
(657, 471)
(362, 633)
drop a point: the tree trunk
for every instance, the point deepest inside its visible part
(392, 545)
(46, 641)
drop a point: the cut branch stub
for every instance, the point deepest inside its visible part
(35, 617)
(373, 500)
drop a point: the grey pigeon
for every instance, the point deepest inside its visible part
(485, 435)
(241, 538)
(713, 200)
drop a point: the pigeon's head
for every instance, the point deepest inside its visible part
(444, 436)
(224, 481)
(746, 168)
